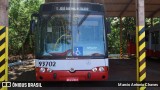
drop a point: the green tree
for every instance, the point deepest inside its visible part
(128, 26)
(113, 37)
(19, 19)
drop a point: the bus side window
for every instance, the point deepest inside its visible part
(155, 37)
(147, 36)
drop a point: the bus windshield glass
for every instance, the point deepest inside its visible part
(73, 35)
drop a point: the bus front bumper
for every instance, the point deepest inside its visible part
(65, 75)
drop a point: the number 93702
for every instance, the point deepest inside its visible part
(46, 63)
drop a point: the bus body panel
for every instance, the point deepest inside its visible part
(85, 75)
(61, 71)
(80, 64)
(152, 39)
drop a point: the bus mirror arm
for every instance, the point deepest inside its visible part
(33, 22)
(34, 15)
(32, 25)
(108, 27)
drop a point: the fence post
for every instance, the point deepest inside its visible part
(3, 42)
(140, 43)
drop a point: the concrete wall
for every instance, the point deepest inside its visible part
(3, 12)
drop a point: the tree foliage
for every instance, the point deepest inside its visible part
(128, 26)
(113, 37)
(19, 19)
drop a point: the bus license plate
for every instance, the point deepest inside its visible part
(72, 79)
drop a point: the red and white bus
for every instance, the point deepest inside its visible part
(70, 42)
(152, 42)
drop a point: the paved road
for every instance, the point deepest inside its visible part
(120, 70)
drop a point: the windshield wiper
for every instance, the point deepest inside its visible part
(83, 19)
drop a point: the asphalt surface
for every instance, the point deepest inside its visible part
(119, 70)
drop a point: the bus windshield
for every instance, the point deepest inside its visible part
(73, 35)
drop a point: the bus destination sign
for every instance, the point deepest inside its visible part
(63, 8)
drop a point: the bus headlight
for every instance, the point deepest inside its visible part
(94, 69)
(42, 70)
(101, 69)
(49, 70)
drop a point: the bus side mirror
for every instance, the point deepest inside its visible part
(32, 25)
(108, 27)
